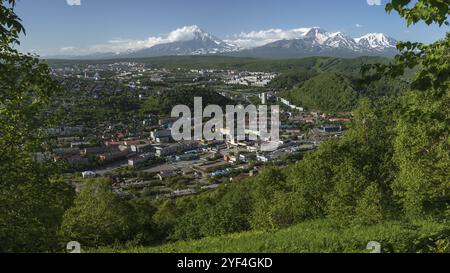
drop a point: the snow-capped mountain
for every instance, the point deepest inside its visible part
(376, 41)
(318, 42)
(339, 40)
(195, 42)
(273, 43)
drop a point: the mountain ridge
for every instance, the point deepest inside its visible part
(305, 42)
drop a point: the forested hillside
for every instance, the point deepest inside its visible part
(328, 92)
(332, 92)
(313, 64)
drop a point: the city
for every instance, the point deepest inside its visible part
(139, 156)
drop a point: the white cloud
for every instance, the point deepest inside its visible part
(358, 25)
(183, 34)
(67, 49)
(73, 2)
(262, 37)
(374, 2)
(120, 45)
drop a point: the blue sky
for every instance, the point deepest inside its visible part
(55, 27)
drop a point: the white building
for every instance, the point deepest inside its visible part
(88, 174)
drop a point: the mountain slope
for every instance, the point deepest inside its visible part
(318, 42)
(197, 42)
(376, 41)
(304, 42)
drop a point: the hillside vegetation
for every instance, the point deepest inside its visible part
(327, 92)
(313, 237)
(332, 92)
(313, 64)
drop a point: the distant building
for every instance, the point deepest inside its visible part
(186, 157)
(77, 160)
(263, 158)
(136, 161)
(247, 157)
(161, 135)
(263, 97)
(177, 148)
(113, 156)
(65, 131)
(330, 128)
(94, 150)
(166, 121)
(163, 175)
(142, 148)
(88, 174)
(66, 151)
(221, 172)
(210, 187)
(79, 144)
(179, 193)
(292, 106)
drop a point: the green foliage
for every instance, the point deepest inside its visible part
(333, 92)
(341, 177)
(269, 209)
(311, 64)
(311, 181)
(290, 79)
(349, 183)
(328, 92)
(146, 231)
(218, 213)
(99, 217)
(429, 11)
(166, 217)
(319, 236)
(10, 24)
(32, 204)
(384, 87)
(369, 207)
(422, 153)
(430, 62)
(421, 148)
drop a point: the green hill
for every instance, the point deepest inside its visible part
(328, 92)
(313, 237)
(313, 64)
(333, 90)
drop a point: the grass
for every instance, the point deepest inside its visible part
(310, 237)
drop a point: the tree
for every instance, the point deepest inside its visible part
(269, 209)
(32, 205)
(99, 217)
(421, 146)
(146, 230)
(311, 180)
(422, 152)
(226, 211)
(429, 11)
